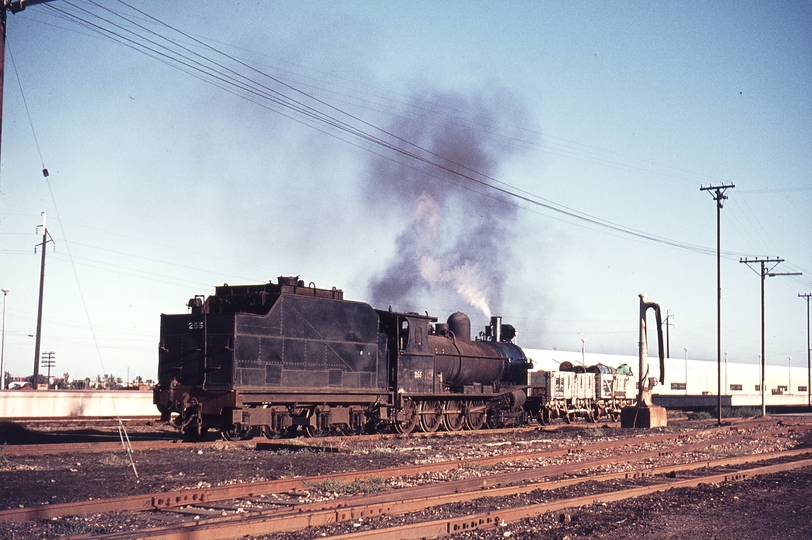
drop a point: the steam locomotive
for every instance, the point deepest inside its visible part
(284, 358)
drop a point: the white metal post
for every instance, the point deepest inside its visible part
(686, 371)
(3, 346)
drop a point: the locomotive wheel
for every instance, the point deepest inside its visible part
(268, 433)
(311, 431)
(431, 416)
(475, 415)
(453, 418)
(409, 417)
(236, 434)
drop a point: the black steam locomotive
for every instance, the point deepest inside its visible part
(283, 358)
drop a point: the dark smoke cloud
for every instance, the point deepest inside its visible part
(458, 236)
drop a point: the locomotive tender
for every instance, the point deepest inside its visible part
(285, 357)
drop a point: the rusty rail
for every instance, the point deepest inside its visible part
(444, 527)
(139, 503)
(418, 499)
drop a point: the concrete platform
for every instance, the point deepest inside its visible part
(22, 404)
(643, 417)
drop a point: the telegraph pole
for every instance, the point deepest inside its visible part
(765, 273)
(667, 336)
(48, 361)
(808, 351)
(45, 236)
(718, 194)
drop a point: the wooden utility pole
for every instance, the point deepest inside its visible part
(808, 351)
(45, 236)
(718, 193)
(765, 273)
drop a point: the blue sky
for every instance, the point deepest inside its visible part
(165, 181)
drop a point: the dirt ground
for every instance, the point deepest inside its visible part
(776, 506)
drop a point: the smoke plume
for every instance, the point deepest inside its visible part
(457, 234)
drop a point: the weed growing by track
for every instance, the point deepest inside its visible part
(363, 486)
(5, 464)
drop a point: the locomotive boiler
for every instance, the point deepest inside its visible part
(282, 358)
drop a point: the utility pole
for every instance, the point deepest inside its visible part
(808, 351)
(718, 194)
(764, 273)
(667, 336)
(48, 361)
(45, 236)
(3, 349)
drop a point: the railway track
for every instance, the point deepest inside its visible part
(256, 522)
(141, 441)
(244, 504)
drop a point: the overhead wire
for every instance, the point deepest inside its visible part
(339, 124)
(212, 71)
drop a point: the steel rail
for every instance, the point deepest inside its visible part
(485, 520)
(184, 497)
(112, 446)
(85, 447)
(421, 498)
(139, 503)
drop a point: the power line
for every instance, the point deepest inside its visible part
(217, 73)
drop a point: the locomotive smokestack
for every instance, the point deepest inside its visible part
(496, 328)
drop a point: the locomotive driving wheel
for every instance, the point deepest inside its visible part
(475, 415)
(453, 417)
(431, 416)
(408, 417)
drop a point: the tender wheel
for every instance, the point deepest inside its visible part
(431, 416)
(311, 431)
(475, 415)
(453, 417)
(268, 433)
(408, 417)
(236, 434)
(545, 416)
